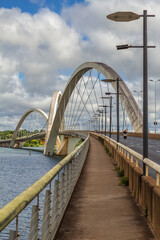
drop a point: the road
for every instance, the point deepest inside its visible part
(136, 143)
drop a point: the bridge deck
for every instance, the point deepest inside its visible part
(99, 208)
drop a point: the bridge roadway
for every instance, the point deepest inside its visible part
(100, 208)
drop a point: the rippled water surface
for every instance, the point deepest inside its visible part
(19, 170)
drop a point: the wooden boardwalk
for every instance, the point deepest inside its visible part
(101, 209)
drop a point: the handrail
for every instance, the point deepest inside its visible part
(137, 155)
(15, 206)
(148, 162)
(153, 165)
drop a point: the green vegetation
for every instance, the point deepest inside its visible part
(34, 143)
(124, 181)
(79, 143)
(110, 154)
(107, 150)
(7, 134)
(146, 212)
(120, 172)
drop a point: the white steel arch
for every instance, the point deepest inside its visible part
(126, 97)
(52, 112)
(44, 115)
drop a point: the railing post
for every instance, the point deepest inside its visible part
(72, 174)
(46, 217)
(34, 224)
(70, 178)
(55, 209)
(61, 191)
(65, 184)
(157, 179)
(78, 165)
(12, 235)
(147, 170)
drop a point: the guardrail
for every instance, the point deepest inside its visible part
(131, 155)
(60, 181)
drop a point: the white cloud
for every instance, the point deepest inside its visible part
(44, 45)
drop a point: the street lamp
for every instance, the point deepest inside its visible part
(126, 17)
(100, 120)
(105, 117)
(110, 121)
(155, 81)
(101, 111)
(95, 122)
(138, 92)
(98, 116)
(117, 81)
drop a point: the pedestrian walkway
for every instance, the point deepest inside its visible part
(100, 208)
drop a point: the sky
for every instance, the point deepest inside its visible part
(42, 42)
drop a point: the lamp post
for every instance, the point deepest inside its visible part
(110, 121)
(155, 81)
(105, 117)
(117, 82)
(126, 17)
(138, 92)
(100, 121)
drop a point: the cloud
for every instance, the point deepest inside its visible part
(45, 45)
(38, 46)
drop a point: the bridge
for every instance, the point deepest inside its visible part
(80, 112)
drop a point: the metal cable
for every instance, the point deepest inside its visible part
(93, 85)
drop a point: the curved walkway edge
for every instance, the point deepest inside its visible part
(101, 209)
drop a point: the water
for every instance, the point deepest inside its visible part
(19, 170)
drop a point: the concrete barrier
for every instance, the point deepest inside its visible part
(156, 211)
(143, 188)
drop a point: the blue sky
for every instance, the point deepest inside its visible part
(32, 6)
(42, 42)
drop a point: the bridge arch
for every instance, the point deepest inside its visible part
(52, 112)
(126, 97)
(44, 115)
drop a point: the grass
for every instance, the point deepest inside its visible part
(120, 171)
(146, 212)
(107, 150)
(124, 181)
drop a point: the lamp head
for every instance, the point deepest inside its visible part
(123, 16)
(124, 46)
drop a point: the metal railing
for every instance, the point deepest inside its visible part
(60, 181)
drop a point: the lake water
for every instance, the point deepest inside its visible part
(19, 169)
